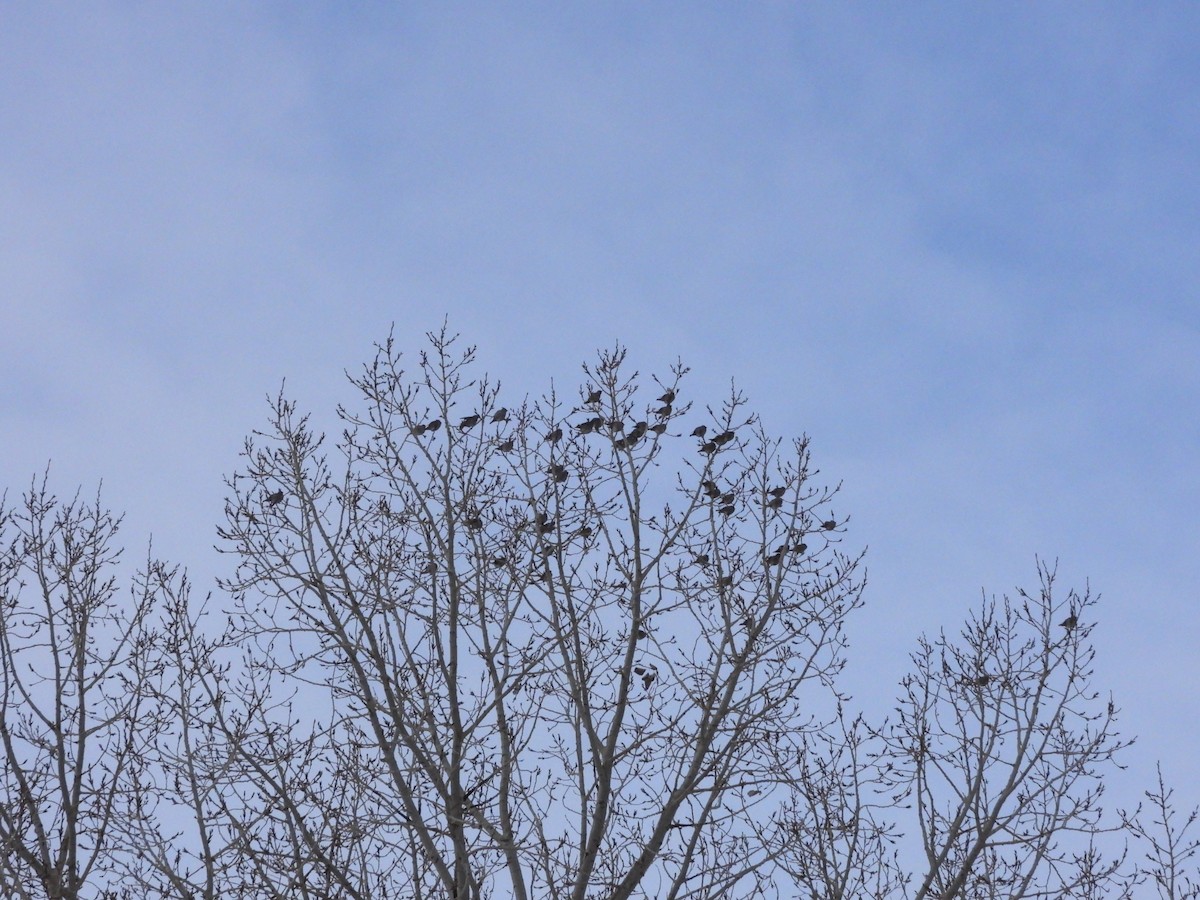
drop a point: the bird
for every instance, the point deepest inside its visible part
(663, 411)
(275, 499)
(775, 502)
(727, 498)
(726, 510)
(668, 397)
(1069, 622)
(500, 415)
(702, 559)
(499, 562)
(800, 547)
(829, 525)
(559, 473)
(710, 488)
(418, 430)
(474, 522)
(430, 568)
(699, 431)
(434, 425)
(616, 425)
(468, 422)
(587, 427)
(708, 447)
(593, 398)
(723, 438)
(506, 446)
(982, 680)
(554, 436)
(777, 492)
(775, 558)
(659, 427)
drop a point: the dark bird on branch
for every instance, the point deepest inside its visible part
(829, 525)
(709, 448)
(663, 411)
(588, 426)
(505, 446)
(559, 473)
(775, 502)
(554, 436)
(777, 492)
(726, 510)
(434, 425)
(430, 568)
(500, 415)
(474, 522)
(659, 427)
(616, 425)
(699, 431)
(668, 397)
(1069, 622)
(593, 398)
(710, 488)
(275, 499)
(468, 422)
(723, 438)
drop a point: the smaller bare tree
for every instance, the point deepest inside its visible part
(1002, 747)
(1169, 864)
(73, 714)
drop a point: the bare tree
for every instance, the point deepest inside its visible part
(73, 716)
(1002, 746)
(547, 671)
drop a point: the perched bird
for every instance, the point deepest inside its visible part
(641, 633)
(659, 427)
(418, 430)
(616, 425)
(699, 431)
(775, 558)
(702, 559)
(474, 522)
(709, 448)
(506, 446)
(663, 411)
(727, 498)
(636, 433)
(829, 525)
(434, 425)
(499, 562)
(275, 499)
(500, 415)
(588, 426)
(777, 492)
(775, 502)
(668, 397)
(710, 488)
(800, 547)
(468, 422)
(725, 581)
(430, 568)
(554, 436)
(1069, 622)
(723, 438)
(559, 473)
(593, 398)
(726, 510)
(982, 680)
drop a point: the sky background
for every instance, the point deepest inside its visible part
(957, 244)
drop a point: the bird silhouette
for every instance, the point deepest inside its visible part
(663, 411)
(710, 488)
(434, 425)
(699, 431)
(726, 510)
(777, 492)
(554, 436)
(727, 498)
(469, 422)
(775, 558)
(659, 427)
(800, 547)
(593, 398)
(702, 559)
(829, 525)
(775, 502)
(616, 425)
(708, 448)
(474, 522)
(1069, 622)
(418, 430)
(506, 446)
(275, 499)
(588, 426)
(723, 438)
(500, 415)
(430, 568)
(668, 397)
(559, 473)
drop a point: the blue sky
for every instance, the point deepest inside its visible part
(956, 243)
